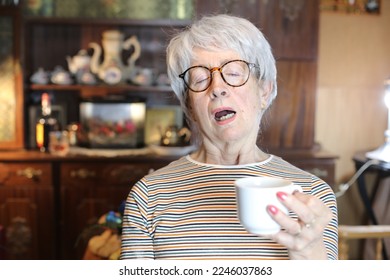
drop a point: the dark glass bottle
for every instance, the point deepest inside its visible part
(45, 124)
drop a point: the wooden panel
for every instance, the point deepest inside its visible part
(88, 191)
(291, 38)
(27, 210)
(49, 44)
(19, 216)
(74, 174)
(289, 124)
(25, 174)
(248, 9)
(322, 168)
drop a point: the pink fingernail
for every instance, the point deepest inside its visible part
(273, 209)
(281, 195)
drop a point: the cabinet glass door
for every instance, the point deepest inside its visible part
(11, 95)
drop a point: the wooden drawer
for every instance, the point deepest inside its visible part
(25, 174)
(324, 169)
(119, 174)
(89, 190)
(27, 210)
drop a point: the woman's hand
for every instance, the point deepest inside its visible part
(303, 237)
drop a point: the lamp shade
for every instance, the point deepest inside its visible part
(383, 152)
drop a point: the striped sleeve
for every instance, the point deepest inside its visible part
(323, 191)
(137, 241)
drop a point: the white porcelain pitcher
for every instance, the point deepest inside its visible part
(113, 70)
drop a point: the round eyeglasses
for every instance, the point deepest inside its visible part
(235, 73)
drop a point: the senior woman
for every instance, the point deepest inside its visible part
(223, 72)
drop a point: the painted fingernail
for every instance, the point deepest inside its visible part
(281, 195)
(272, 209)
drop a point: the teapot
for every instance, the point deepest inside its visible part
(79, 63)
(173, 136)
(40, 77)
(143, 76)
(79, 66)
(112, 70)
(60, 76)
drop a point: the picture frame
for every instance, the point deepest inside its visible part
(11, 81)
(361, 7)
(158, 118)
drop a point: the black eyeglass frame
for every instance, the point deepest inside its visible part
(219, 69)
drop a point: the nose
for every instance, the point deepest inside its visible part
(218, 85)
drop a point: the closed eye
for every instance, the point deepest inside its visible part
(200, 79)
(232, 74)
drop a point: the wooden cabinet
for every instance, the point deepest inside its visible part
(292, 30)
(50, 40)
(321, 164)
(48, 203)
(89, 190)
(27, 210)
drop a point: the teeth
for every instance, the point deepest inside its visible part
(228, 116)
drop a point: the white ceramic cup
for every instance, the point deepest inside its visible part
(254, 194)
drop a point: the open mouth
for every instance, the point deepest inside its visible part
(224, 115)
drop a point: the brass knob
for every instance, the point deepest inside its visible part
(82, 173)
(29, 173)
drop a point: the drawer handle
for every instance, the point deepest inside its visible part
(82, 173)
(29, 173)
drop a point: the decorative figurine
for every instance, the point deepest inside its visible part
(40, 77)
(79, 66)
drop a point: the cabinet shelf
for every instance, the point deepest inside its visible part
(112, 21)
(120, 87)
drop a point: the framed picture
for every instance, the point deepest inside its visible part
(351, 6)
(158, 119)
(11, 81)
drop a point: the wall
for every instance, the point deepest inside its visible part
(353, 62)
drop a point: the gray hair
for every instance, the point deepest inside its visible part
(223, 32)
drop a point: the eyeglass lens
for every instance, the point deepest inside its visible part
(235, 73)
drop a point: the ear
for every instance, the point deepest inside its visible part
(265, 94)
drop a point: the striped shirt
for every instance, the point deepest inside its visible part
(187, 210)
